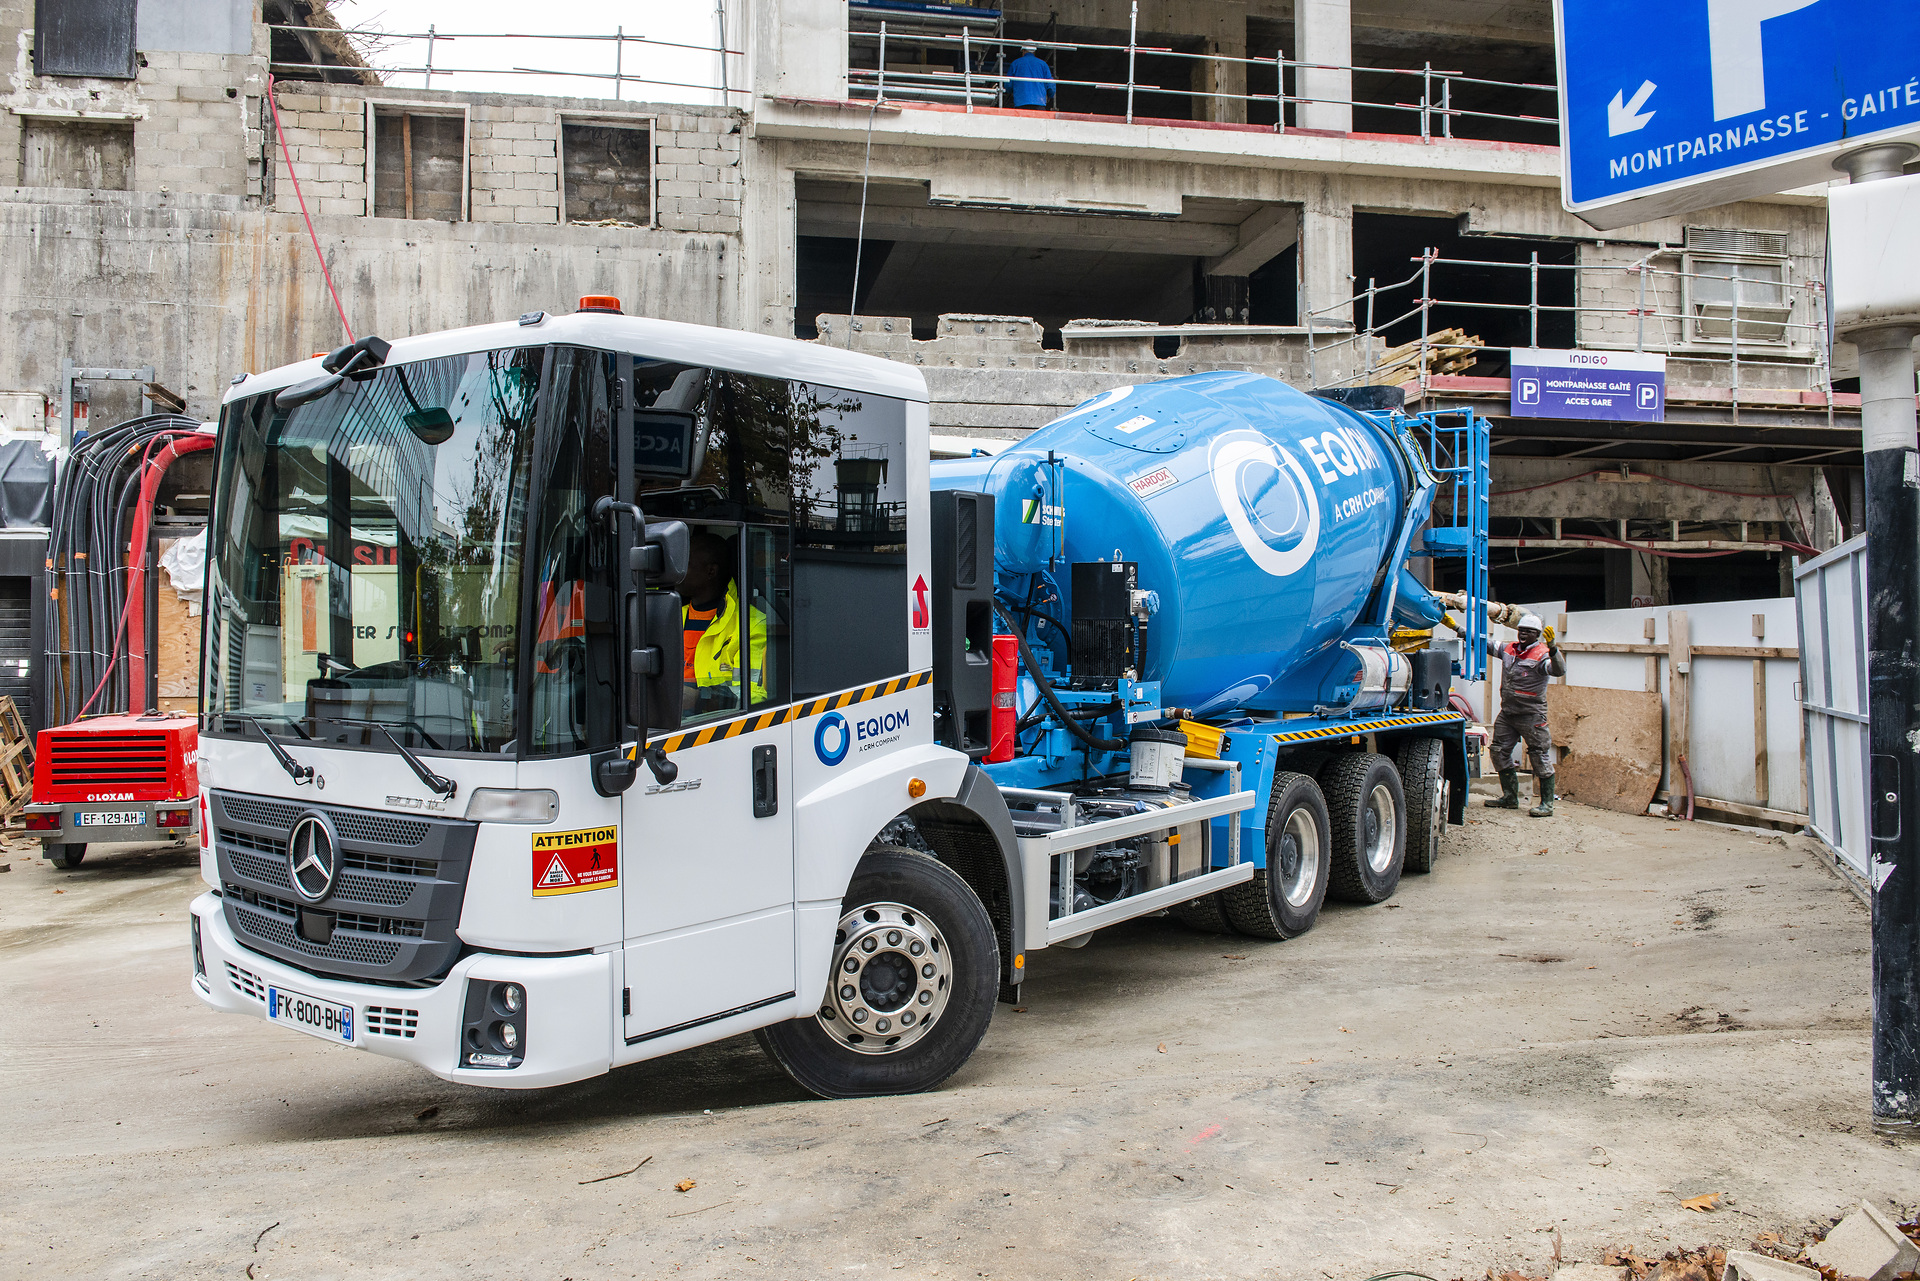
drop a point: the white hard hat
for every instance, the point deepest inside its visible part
(1528, 622)
(1029, 48)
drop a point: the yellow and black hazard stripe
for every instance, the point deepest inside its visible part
(1367, 727)
(791, 712)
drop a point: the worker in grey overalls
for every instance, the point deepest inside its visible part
(1525, 666)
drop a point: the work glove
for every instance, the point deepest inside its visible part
(1547, 636)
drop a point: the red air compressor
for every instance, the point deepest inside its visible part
(110, 775)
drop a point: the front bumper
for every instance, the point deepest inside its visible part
(146, 832)
(570, 1007)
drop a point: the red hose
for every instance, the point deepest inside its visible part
(136, 608)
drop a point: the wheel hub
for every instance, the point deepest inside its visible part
(892, 975)
(1377, 829)
(1299, 858)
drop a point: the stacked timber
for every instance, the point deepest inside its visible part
(1449, 351)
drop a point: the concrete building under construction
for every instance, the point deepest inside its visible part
(1332, 192)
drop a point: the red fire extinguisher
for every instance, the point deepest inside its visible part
(1006, 677)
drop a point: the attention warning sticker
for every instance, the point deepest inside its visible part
(568, 862)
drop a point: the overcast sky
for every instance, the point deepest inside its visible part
(688, 22)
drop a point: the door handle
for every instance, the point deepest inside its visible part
(766, 781)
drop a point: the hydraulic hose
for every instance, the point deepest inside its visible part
(1045, 687)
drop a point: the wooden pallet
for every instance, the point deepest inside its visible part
(16, 760)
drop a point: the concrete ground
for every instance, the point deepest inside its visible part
(1568, 1028)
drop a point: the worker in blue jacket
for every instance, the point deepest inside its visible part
(1030, 80)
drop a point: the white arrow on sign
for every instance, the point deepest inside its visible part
(1625, 117)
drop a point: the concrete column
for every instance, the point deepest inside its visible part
(1323, 33)
(1225, 78)
(1326, 256)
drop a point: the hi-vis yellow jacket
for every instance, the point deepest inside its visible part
(716, 658)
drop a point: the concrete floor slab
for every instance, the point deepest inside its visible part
(1570, 1027)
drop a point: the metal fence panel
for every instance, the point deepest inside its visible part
(1830, 592)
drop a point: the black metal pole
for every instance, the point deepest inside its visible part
(1892, 447)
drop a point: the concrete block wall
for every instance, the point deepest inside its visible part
(696, 156)
(513, 157)
(326, 143)
(513, 154)
(195, 116)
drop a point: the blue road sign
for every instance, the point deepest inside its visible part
(1672, 105)
(1611, 386)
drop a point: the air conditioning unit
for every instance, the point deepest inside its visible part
(1735, 286)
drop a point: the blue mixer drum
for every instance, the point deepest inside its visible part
(1261, 517)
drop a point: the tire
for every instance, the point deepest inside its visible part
(66, 856)
(1369, 810)
(1423, 777)
(1299, 845)
(898, 900)
(1208, 914)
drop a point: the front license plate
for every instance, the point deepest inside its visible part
(110, 818)
(323, 1019)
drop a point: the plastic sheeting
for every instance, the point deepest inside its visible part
(186, 566)
(26, 482)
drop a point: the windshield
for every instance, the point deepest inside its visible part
(364, 560)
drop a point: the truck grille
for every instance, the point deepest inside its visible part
(395, 903)
(124, 760)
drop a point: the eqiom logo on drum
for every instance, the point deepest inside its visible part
(1268, 500)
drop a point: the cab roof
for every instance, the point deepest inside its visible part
(732, 350)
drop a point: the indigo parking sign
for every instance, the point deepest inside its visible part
(1613, 386)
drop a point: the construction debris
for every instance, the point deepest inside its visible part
(1745, 1265)
(1866, 1244)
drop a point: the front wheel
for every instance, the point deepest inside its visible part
(67, 855)
(915, 972)
(1284, 898)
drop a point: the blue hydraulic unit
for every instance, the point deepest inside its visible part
(1223, 557)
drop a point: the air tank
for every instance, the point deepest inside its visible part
(1260, 516)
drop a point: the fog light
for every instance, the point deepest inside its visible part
(513, 998)
(46, 821)
(509, 1037)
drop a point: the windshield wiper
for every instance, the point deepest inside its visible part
(295, 770)
(438, 784)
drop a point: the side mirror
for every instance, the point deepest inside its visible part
(654, 669)
(662, 560)
(434, 426)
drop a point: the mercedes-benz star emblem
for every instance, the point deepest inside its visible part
(313, 854)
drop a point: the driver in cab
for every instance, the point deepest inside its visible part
(710, 630)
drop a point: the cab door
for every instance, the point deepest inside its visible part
(709, 899)
(709, 894)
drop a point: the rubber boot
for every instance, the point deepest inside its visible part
(1509, 798)
(1545, 808)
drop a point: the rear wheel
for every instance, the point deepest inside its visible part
(915, 972)
(1369, 809)
(67, 856)
(1283, 899)
(1423, 777)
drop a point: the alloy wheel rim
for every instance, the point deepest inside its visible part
(892, 977)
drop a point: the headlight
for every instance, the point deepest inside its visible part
(511, 805)
(513, 997)
(509, 1037)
